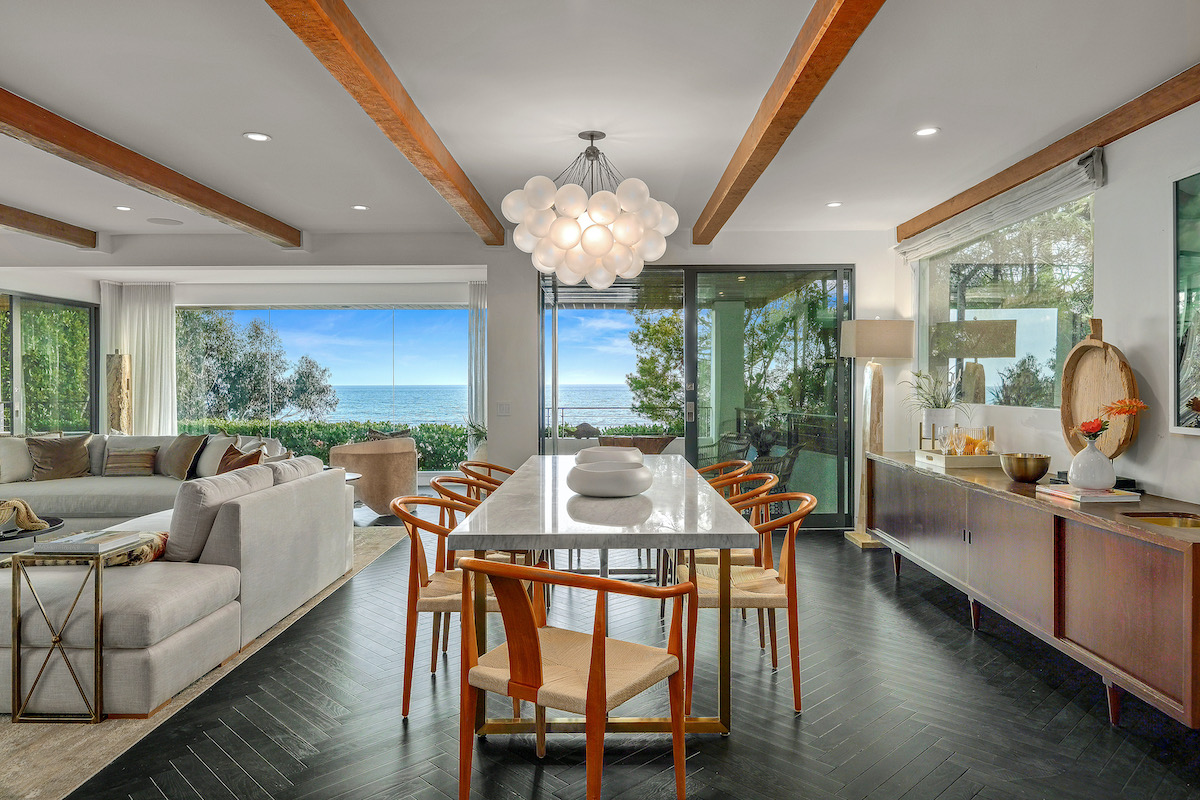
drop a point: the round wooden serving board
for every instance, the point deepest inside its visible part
(1095, 374)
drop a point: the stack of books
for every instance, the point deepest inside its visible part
(86, 542)
(1065, 491)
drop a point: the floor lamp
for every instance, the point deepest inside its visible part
(873, 339)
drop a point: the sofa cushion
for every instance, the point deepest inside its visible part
(138, 443)
(158, 521)
(198, 502)
(142, 605)
(15, 462)
(214, 449)
(179, 456)
(95, 496)
(59, 457)
(290, 470)
(129, 463)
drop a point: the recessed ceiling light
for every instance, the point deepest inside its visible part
(255, 136)
(361, 208)
(123, 208)
(163, 221)
(927, 131)
(834, 204)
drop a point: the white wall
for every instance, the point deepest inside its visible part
(1135, 275)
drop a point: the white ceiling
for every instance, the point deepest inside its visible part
(508, 85)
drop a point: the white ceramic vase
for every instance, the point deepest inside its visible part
(591, 455)
(609, 479)
(1091, 469)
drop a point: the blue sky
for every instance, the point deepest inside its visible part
(431, 346)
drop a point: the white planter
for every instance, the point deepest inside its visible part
(1091, 469)
(592, 455)
(609, 479)
(935, 419)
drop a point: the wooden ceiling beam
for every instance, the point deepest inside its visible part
(1163, 100)
(16, 219)
(47, 131)
(334, 35)
(832, 28)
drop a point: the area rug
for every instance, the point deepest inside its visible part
(45, 761)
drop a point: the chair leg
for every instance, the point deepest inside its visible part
(466, 739)
(594, 732)
(539, 725)
(446, 633)
(675, 685)
(410, 654)
(794, 647)
(774, 641)
(762, 634)
(743, 615)
(437, 629)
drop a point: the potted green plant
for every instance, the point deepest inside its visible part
(476, 441)
(936, 399)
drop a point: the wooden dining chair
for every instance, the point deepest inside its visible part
(544, 664)
(483, 471)
(743, 488)
(737, 466)
(437, 591)
(762, 586)
(468, 492)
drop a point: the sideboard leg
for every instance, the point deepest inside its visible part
(974, 613)
(896, 562)
(1114, 702)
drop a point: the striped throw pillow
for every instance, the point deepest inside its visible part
(130, 463)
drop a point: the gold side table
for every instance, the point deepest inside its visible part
(94, 564)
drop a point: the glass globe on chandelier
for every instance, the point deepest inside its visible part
(608, 230)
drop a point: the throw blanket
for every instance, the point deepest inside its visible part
(26, 519)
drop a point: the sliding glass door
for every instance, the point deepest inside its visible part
(47, 365)
(732, 363)
(764, 381)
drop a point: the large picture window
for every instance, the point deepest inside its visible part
(318, 377)
(1000, 313)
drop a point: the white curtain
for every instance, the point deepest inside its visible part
(1064, 183)
(477, 355)
(139, 319)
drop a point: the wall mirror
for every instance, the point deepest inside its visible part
(1187, 306)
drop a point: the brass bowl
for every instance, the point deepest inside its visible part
(1024, 467)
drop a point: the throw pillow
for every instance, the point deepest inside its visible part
(129, 463)
(211, 455)
(55, 458)
(374, 435)
(236, 459)
(286, 455)
(180, 454)
(272, 446)
(15, 463)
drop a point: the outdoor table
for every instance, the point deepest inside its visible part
(534, 510)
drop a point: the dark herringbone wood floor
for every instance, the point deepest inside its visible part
(901, 700)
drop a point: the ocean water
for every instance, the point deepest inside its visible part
(602, 405)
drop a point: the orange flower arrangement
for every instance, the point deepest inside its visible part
(1094, 428)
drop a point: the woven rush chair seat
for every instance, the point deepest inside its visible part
(752, 587)
(629, 668)
(444, 591)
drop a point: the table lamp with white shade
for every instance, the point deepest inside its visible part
(873, 339)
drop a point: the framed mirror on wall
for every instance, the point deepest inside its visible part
(1186, 362)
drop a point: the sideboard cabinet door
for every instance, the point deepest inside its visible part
(1012, 559)
(926, 514)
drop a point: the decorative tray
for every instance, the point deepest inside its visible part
(935, 458)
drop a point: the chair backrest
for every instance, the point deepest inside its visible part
(483, 471)
(780, 465)
(732, 445)
(461, 489)
(406, 509)
(737, 466)
(761, 506)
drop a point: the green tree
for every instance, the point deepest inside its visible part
(1024, 384)
(657, 382)
(56, 366)
(241, 372)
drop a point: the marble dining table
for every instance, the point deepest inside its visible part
(535, 510)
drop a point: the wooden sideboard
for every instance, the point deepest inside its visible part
(1118, 595)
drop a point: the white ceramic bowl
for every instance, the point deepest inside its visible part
(602, 511)
(592, 455)
(609, 479)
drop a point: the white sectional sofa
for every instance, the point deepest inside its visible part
(246, 549)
